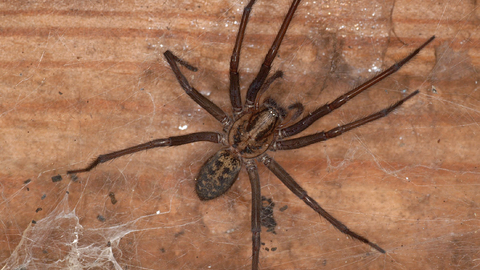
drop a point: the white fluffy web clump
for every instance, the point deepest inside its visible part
(59, 241)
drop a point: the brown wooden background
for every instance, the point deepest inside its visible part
(82, 78)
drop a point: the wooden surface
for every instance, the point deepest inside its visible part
(83, 78)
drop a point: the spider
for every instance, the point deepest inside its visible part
(256, 127)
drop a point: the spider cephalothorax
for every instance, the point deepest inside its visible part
(255, 129)
(253, 133)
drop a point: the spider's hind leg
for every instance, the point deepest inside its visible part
(288, 181)
(256, 208)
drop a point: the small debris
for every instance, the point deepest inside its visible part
(112, 197)
(101, 218)
(56, 178)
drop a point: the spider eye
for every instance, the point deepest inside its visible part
(274, 108)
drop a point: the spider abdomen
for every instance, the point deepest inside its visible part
(217, 175)
(252, 134)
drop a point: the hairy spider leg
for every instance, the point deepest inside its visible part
(201, 100)
(337, 103)
(171, 141)
(325, 135)
(235, 96)
(256, 208)
(288, 181)
(257, 83)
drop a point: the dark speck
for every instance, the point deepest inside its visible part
(44, 196)
(283, 208)
(112, 198)
(34, 222)
(60, 93)
(38, 209)
(101, 218)
(27, 181)
(57, 178)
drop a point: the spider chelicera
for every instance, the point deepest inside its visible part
(256, 127)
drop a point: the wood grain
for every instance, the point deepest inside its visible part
(83, 78)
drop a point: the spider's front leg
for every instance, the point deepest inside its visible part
(258, 82)
(235, 97)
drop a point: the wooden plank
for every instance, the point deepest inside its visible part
(81, 79)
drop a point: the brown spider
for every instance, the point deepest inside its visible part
(256, 128)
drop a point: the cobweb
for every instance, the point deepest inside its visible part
(86, 78)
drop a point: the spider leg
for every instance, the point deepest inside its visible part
(235, 97)
(257, 83)
(256, 208)
(172, 141)
(325, 135)
(288, 181)
(337, 103)
(201, 100)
